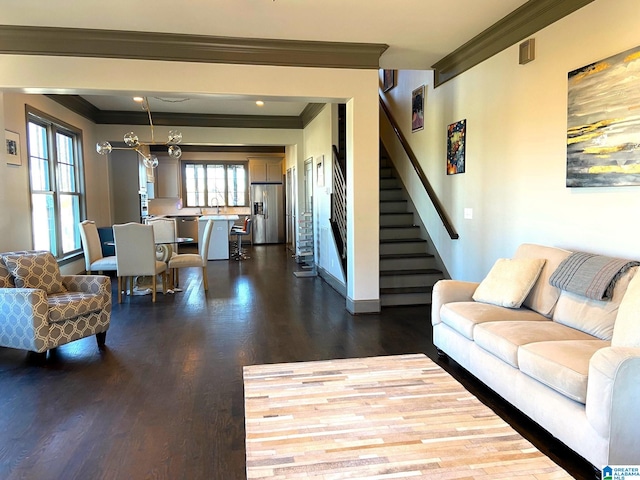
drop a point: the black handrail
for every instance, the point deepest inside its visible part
(423, 178)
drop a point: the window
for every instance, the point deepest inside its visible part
(57, 190)
(209, 184)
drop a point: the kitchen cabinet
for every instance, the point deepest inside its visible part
(265, 171)
(145, 175)
(167, 178)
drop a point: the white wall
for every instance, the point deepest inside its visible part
(318, 141)
(516, 148)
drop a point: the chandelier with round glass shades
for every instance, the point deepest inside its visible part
(132, 141)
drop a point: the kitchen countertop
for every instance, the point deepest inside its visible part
(204, 218)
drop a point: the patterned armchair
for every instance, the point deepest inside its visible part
(41, 309)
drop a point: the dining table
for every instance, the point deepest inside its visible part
(164, 252)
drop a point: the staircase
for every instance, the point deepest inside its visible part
(407, 270)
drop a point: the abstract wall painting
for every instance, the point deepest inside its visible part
(456, 142)
(603, 126)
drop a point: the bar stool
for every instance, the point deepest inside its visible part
(238, 254)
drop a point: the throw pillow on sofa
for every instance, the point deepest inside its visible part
(509, 281)
(35, 270)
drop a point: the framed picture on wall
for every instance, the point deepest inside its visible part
(456, 143)
(417, 109)
(603, 149)
(388, 80)
(13, 148)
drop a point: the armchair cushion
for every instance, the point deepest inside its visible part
(35, 270)
(65, 306)
(6, 281)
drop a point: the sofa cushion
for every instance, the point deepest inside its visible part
(35, 270)
(626, 331)
(595, 317)
(68, 305)
(464, 316)
(542, 297)
(561, 365)
(509, 281)
(503, 339)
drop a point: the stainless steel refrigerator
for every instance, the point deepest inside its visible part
(267, 201)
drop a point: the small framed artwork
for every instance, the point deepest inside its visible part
(388, 80)
(456, 142)
(320, 171)
(417, 109)
(13, 148)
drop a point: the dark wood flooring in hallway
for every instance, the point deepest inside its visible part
(165, 400)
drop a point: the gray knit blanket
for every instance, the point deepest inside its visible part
(592, 276)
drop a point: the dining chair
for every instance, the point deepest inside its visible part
(136, 256)
(194, 259)
(94, 261)
(165, 231)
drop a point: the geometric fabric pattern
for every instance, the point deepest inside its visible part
(32, 320)
(5, 277)
(64, 306)
(35, 270)
(6, 280)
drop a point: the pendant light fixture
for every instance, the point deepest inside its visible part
(132, 141)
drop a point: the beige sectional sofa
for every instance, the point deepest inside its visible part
(570, 363)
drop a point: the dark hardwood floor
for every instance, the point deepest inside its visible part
(165, 400)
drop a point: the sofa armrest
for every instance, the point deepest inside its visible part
(447, 291)
(24, 319)
(612, 401)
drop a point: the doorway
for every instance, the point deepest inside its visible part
(290, 212)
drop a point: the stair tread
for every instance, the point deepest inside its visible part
(396, 213)
(398, 226)
(390, 256)
(397, 290)
(402, 240)
(419, 271)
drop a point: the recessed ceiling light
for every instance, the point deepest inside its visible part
(138, 99)
(260, 103)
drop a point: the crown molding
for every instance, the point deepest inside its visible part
(310, 112)
(253, 149)
(200, 120)
(82, 107)
(530, 18)
(80, 42)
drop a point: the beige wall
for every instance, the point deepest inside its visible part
(16, 205)
(516, 148)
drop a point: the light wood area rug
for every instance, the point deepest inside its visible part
(377, 418)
